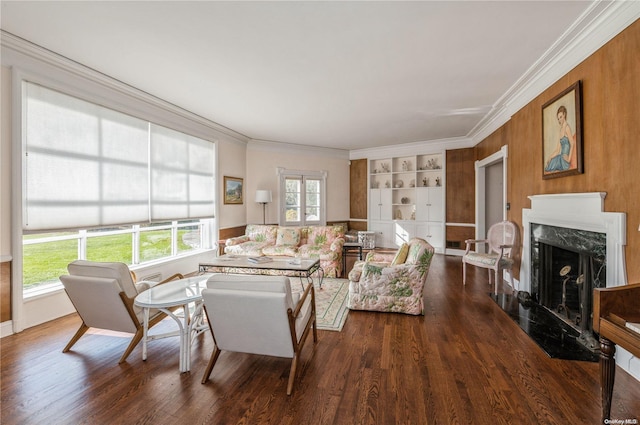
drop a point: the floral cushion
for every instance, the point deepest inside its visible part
(288, 236)
(356, 271)
(323, 252)
(321, 235)
(261, 233)
(276, 250)
(251, 248)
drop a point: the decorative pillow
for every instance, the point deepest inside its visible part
(401, 255)
(261, 233)
(416, 250)
(320, 235)
(288, 236)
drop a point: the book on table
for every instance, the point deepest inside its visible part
(631, 322)
(259, 260)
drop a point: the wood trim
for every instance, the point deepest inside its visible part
(5, 291)
(231, 232)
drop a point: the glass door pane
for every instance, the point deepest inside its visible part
(292, 199)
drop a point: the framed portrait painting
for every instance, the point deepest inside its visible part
(562, 134)
(233, 190)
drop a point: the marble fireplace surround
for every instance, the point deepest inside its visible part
(580, 211)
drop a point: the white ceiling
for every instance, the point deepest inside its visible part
(347, 75)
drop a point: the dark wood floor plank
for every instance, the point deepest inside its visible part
(463, 362)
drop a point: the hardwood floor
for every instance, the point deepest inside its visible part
(464, 362)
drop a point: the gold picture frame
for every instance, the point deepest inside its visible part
(233, 190)
(562, 134)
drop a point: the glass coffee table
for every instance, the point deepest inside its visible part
(236, 264)
(166, 297)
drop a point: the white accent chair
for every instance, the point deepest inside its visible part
(103, 294)
(258, 315)
(502, 244)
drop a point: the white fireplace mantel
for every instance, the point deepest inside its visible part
(581, 211)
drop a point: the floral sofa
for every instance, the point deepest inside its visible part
(306, 242)
(391, 282)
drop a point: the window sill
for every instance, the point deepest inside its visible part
(51, 288)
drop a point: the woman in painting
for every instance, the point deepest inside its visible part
(562, 157)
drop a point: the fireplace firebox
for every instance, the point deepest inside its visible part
(566, 265)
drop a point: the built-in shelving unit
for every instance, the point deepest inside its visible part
(406, 199)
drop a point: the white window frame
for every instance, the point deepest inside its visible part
(303, 175)
(46, 68)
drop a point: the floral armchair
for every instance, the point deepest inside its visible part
(390, 282)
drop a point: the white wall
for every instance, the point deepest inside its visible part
(232, 163)
(263, 159)
(5, 163)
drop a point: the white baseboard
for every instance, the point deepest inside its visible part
(6, 328)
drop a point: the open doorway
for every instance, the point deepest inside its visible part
(491, 191)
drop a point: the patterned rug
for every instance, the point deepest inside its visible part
(331, 304)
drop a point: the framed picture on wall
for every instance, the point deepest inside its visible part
(562, 134)
(233, 190)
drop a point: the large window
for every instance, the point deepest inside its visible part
(302, 197)
(46, 255)
(102, 185)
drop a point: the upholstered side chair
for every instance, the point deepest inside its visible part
(502, 244)
(103, 294)
(258, 315)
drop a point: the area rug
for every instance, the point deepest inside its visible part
(331, 304)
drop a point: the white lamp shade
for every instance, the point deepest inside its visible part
(263, 196)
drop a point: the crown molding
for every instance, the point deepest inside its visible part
(22, 54)
(413, 148)
(291, 148)
(602, 21)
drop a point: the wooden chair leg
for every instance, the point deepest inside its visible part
(134, 341)
(81, 331)
(292, 373)
(464, 273)
(513, 285)
(212, 362)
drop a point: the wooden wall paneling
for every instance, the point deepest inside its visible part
(611, 101)
(358, 189)
(231, 232)
(460, 186)
(456, 235)
(5, 291)
(358, 225)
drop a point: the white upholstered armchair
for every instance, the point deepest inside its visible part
(102, 294)
(258, 315)
(502, 244)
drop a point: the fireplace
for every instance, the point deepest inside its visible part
(570, 246)
(583, 212)
(566, 264)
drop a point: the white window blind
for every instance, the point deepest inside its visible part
(84, 165)
(88, 166)
(182, 178)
